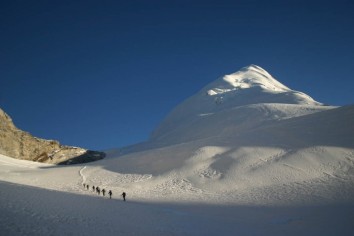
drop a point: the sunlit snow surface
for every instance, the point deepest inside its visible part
(226, 167)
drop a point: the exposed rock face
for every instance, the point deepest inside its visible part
(22, 145)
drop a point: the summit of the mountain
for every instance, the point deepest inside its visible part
(248, 77)
(231, 96)
(250, 85)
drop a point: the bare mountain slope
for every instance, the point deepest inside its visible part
(22, 145)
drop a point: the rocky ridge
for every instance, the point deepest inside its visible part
(22, 145)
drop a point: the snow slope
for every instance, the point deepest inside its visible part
(251, 85)
(36, 211)
(263, 160)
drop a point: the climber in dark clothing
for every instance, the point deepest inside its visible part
(87, 187)
(124, 194)
(98, 190)
(110, 194)
(103, 192)
(93, 188)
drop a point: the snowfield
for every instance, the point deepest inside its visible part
(261, 159)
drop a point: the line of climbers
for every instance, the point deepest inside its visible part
(98, 191)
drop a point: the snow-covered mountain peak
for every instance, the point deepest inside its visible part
(248, 77)
(250, 86)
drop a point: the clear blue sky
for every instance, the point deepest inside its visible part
(103, 74)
